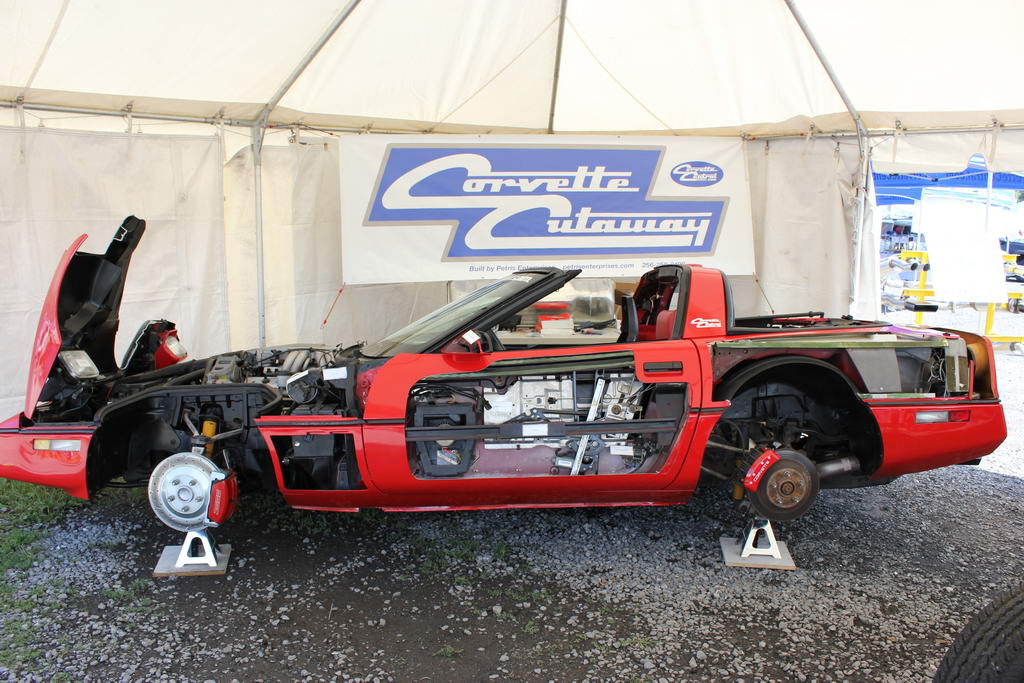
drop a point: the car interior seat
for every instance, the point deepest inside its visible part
(665, 325)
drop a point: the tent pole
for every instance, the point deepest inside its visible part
(259, 129)
(9, 104)
(264, 116)
(257, 166)
(558, 66)
(247, 123)
(988, 201)
(862, 145)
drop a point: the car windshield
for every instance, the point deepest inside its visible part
(452, 319)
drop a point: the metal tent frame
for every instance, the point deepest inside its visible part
(259, 130)
(259, 126)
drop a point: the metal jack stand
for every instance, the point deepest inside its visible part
(760, 549)
(180, 560)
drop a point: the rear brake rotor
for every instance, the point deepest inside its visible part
(179, 490)
(787, 488)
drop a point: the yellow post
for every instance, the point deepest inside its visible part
(990, 316)
(922, 280)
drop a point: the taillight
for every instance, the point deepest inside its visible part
(939, 416)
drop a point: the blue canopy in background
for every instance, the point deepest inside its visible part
(905, 188)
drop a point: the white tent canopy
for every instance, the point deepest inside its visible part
(916, 82)
(657, 66)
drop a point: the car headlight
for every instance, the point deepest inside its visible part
(78, 364)
(175, 346)
(302, 387)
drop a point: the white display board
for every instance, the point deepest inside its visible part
(966, 262)
(460, 207)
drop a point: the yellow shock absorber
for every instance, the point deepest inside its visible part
(737, 488)
(209, 431)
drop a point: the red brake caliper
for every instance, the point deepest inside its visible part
(757, 470)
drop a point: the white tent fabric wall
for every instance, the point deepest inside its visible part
(300, 237)
(69, 183)
(302, 252)
(803, 201)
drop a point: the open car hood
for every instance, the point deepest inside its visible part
(81, 307)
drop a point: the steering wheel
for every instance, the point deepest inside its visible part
(490, 341)
(486, 342)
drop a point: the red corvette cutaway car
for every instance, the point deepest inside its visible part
(454, 411)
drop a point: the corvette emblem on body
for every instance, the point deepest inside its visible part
(533, 201)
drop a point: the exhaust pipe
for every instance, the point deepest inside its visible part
(834, 468)
(900, 264)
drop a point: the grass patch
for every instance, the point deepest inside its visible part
(270, 510)
(449, 652)
(142, 606)
(129, 593)
(116, 496)
(538, 596)
(641, 642)
(438, 556)
(16, 646)
(18, 548)
(22, 503)
(22, 507)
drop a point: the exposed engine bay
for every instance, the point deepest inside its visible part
(206, 406)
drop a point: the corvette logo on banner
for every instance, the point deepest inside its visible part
(442, 208)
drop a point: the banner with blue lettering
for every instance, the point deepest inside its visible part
(451, 207)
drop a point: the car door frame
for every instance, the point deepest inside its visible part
(385, 438)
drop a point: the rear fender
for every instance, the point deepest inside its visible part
(743, 374)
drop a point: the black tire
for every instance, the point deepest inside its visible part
(990, 649)
(805, 475)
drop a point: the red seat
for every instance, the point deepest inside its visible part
(666, 325)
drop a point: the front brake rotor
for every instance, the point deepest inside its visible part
(180, 488)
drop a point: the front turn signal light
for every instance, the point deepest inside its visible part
(57, 445)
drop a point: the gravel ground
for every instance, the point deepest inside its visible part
(887, 576)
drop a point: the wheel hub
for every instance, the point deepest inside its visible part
(786, 487)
